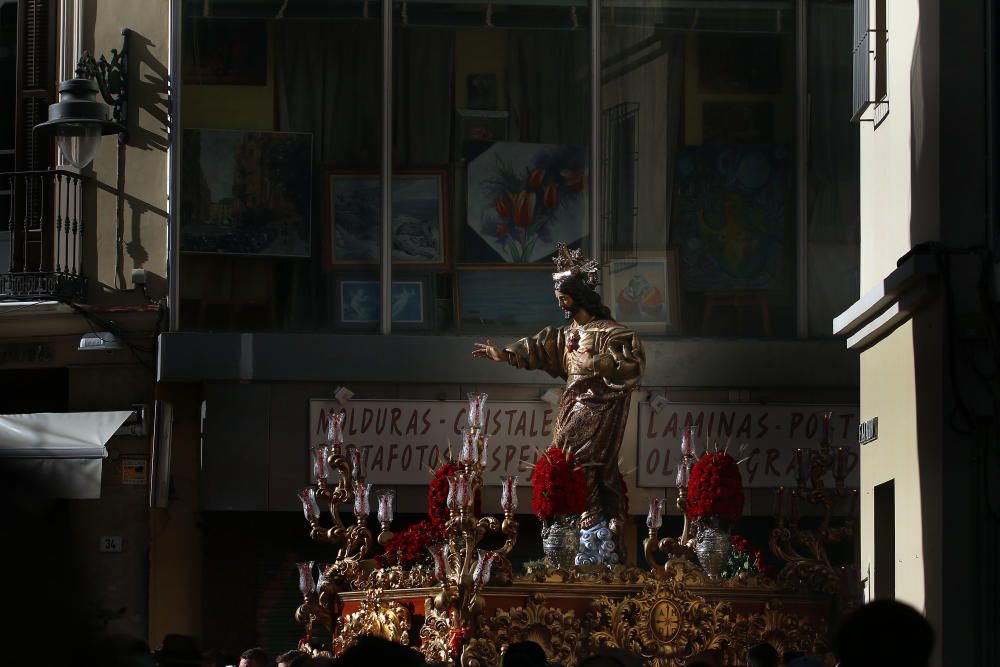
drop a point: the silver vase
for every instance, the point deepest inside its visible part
(560, 540)
(713, 546)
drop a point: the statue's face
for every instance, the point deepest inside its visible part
(567, 304)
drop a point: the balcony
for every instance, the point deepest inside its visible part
(45, 232)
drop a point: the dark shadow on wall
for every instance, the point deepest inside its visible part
(955, 423)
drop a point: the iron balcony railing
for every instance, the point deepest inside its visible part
(45, 234)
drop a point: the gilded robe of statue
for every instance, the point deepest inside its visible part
(602, 362)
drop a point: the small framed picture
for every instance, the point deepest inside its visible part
(353, 210)
(642, 292)
(357, 302)
(506, 300)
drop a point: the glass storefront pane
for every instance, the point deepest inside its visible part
(494, 99)
(698, 139)
(280, 166)
(834, 253)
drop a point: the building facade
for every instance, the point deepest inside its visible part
(702, 152)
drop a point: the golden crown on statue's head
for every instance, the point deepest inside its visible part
(571, 263)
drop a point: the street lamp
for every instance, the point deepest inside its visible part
(79, 120)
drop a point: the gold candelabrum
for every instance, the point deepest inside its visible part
(804, 549)
(353, 542)
(459, 564)
(461, 567)
(671, 547)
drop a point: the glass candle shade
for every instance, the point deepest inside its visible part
(687, 447)
(453, 503)
(307, 585)
(335, 428)
(477, 406)
(321, 470)
(321, 578)
(508, 493)
(483, 460)
(310, 508)
(464, 491)
(386, 500)
(357, 460)
(469, 454)
(437, 557)
(362, 499)
(655, 517)
(481, 572)
(683, 474)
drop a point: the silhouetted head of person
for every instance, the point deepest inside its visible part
(371, 651)
(884, 632)
(255, 657)
(293, 658)
(524, 654)
(762, 655)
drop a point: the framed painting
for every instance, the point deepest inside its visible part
(357, 302)
(224, 52)
(354, 203)
(506, 300)
(523, 198)
(643, 292)
(729, 224)
(246, 193)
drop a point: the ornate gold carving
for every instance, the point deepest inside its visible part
(555, 630)
(665, 621)
(480, 652)
(808, 575)
(435, 635)
(786, 631)
(664, 624)
(377, 618)
(685, 571)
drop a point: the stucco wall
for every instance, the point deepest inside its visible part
(143, 168)
(900, 205)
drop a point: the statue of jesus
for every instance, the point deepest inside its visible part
(602, 363)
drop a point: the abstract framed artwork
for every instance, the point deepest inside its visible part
(642, 292)
(492, 300)
(729, 216)
(246, 193)
(353, 205)
(357, 302)
(522, 198)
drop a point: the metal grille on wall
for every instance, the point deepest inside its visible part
(871, 102)
(620, 194)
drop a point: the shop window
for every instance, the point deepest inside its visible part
(8, 80)
(833, 200)
(710, 100)
(281, 198)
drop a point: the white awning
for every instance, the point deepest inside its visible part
(60, 452)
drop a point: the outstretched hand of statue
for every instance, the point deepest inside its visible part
(488, 351)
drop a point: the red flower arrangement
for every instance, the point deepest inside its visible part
(745, 558)
(409, 546)
(715, 489)
(558, 485)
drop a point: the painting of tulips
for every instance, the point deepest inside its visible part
(522, 199)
